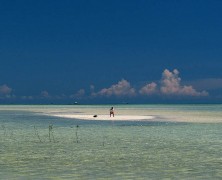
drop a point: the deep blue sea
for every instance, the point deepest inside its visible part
(181, 142)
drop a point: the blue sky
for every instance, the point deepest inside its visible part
(139, 51)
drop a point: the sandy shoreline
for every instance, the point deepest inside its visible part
(105, 117)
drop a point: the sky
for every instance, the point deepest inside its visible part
(114, 51)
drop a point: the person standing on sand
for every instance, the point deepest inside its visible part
(111, 112)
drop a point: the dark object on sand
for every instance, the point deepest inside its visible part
(95, 116)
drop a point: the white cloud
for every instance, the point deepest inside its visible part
(78, 94)
(170, 85)
(122, 88)
(149, 89)
(5, 90)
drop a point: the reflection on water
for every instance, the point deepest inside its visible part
(74, 149)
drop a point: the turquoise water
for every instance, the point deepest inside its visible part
(169, 147)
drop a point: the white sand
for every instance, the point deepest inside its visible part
(105, 117)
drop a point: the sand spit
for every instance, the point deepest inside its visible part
(105, 117)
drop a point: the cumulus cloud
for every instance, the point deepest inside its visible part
(5, 90)
(79, 94)
(149, 89)
(171, 85)
(122, 88)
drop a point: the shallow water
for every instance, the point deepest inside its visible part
(76, 149)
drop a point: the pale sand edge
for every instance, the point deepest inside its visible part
(104, 117)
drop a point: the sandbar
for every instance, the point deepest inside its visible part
(105, 117)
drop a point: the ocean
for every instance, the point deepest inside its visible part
(179, 142)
